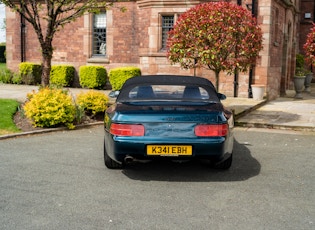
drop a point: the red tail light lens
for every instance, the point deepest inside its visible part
(127, 130)
(211, 130)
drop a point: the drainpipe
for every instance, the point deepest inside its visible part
(252, 68)
(22, 32)
(239, 3)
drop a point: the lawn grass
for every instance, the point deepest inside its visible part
(3, 65)
(8, 107)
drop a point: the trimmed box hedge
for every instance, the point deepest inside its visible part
(118, 76)
(30, 73)
(92, 77)
(62, 75)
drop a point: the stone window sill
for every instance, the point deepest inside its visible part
(157, 54)
(100, 60)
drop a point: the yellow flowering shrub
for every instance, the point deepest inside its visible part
(50, 108)
(92, 101)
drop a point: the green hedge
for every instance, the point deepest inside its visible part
(92, 77)
(118, 76)
(30, 73)
(5, 75)
(9, 77)
(62, 75)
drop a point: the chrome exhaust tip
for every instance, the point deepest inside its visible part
(128, 159)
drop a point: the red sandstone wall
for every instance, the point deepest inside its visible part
(126, 34)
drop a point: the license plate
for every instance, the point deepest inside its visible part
(169, 150)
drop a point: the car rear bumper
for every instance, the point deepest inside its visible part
(119, 148)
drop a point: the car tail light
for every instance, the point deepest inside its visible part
(211, 130)
(127, 130)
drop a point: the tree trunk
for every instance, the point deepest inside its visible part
(46, 63)
(46, 67)
(217, 80)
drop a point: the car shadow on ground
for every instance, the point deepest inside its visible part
(244, 166)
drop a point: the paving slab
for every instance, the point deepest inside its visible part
(284, 113)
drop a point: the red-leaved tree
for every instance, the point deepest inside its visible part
(309, 46)
(220, 36)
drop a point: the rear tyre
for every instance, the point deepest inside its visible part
(109, 162)
(224, 165)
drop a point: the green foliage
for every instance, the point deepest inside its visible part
(92, 102)
(300, 70)
(299, 61)
(62, 75)
(8, 107)
(17, 78)
(8, 77)
(118, 76)
(50, 108)
(221, 36)
(93, 77)
(5, 76)
(30, 73)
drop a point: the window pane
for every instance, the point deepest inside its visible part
(169, 92)
(100, 20)
(99, 34)
(167, 25)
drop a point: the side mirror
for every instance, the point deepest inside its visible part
(114, 94)
(221, 96)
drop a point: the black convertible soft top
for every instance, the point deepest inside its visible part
(167, 80)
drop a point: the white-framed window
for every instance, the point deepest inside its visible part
(99, 34)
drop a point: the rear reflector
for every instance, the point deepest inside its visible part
(211, 130)
(127, 130)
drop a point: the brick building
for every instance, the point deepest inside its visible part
(138, 38)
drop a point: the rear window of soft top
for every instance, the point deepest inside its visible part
(168, 92)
